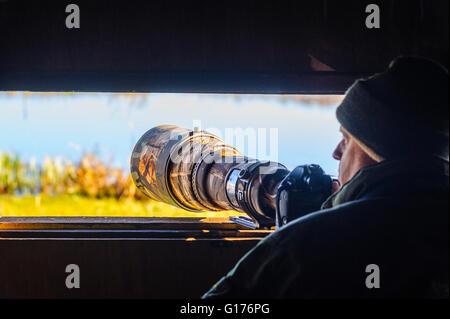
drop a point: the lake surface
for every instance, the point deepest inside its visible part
(66, 125)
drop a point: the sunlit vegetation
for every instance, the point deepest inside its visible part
(90, 177)
(76, 205)
(87, 188)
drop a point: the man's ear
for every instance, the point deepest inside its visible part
(374, 156)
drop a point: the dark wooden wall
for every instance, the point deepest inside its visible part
(116, 268)
(118, 257)
(210, 46)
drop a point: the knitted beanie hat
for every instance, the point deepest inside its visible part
(402, 112)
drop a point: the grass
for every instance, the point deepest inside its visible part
(87, 188)
(74, 205)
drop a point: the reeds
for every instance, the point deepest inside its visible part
(90, 177)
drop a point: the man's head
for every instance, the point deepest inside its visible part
(351, 156)
(401, 113)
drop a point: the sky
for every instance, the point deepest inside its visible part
(66, 125)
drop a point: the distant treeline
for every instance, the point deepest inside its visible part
(141, 99)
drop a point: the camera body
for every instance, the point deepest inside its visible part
(301, 192)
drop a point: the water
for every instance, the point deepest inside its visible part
(66, 125)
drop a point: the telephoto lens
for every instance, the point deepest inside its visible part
(197, 171)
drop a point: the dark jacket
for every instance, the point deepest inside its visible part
(393, 214)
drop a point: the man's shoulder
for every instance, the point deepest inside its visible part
(370, 222)
(331, 221)
(325, 254)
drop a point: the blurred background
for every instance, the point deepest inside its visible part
(67, 154)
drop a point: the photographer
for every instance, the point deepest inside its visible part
(384, 233)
